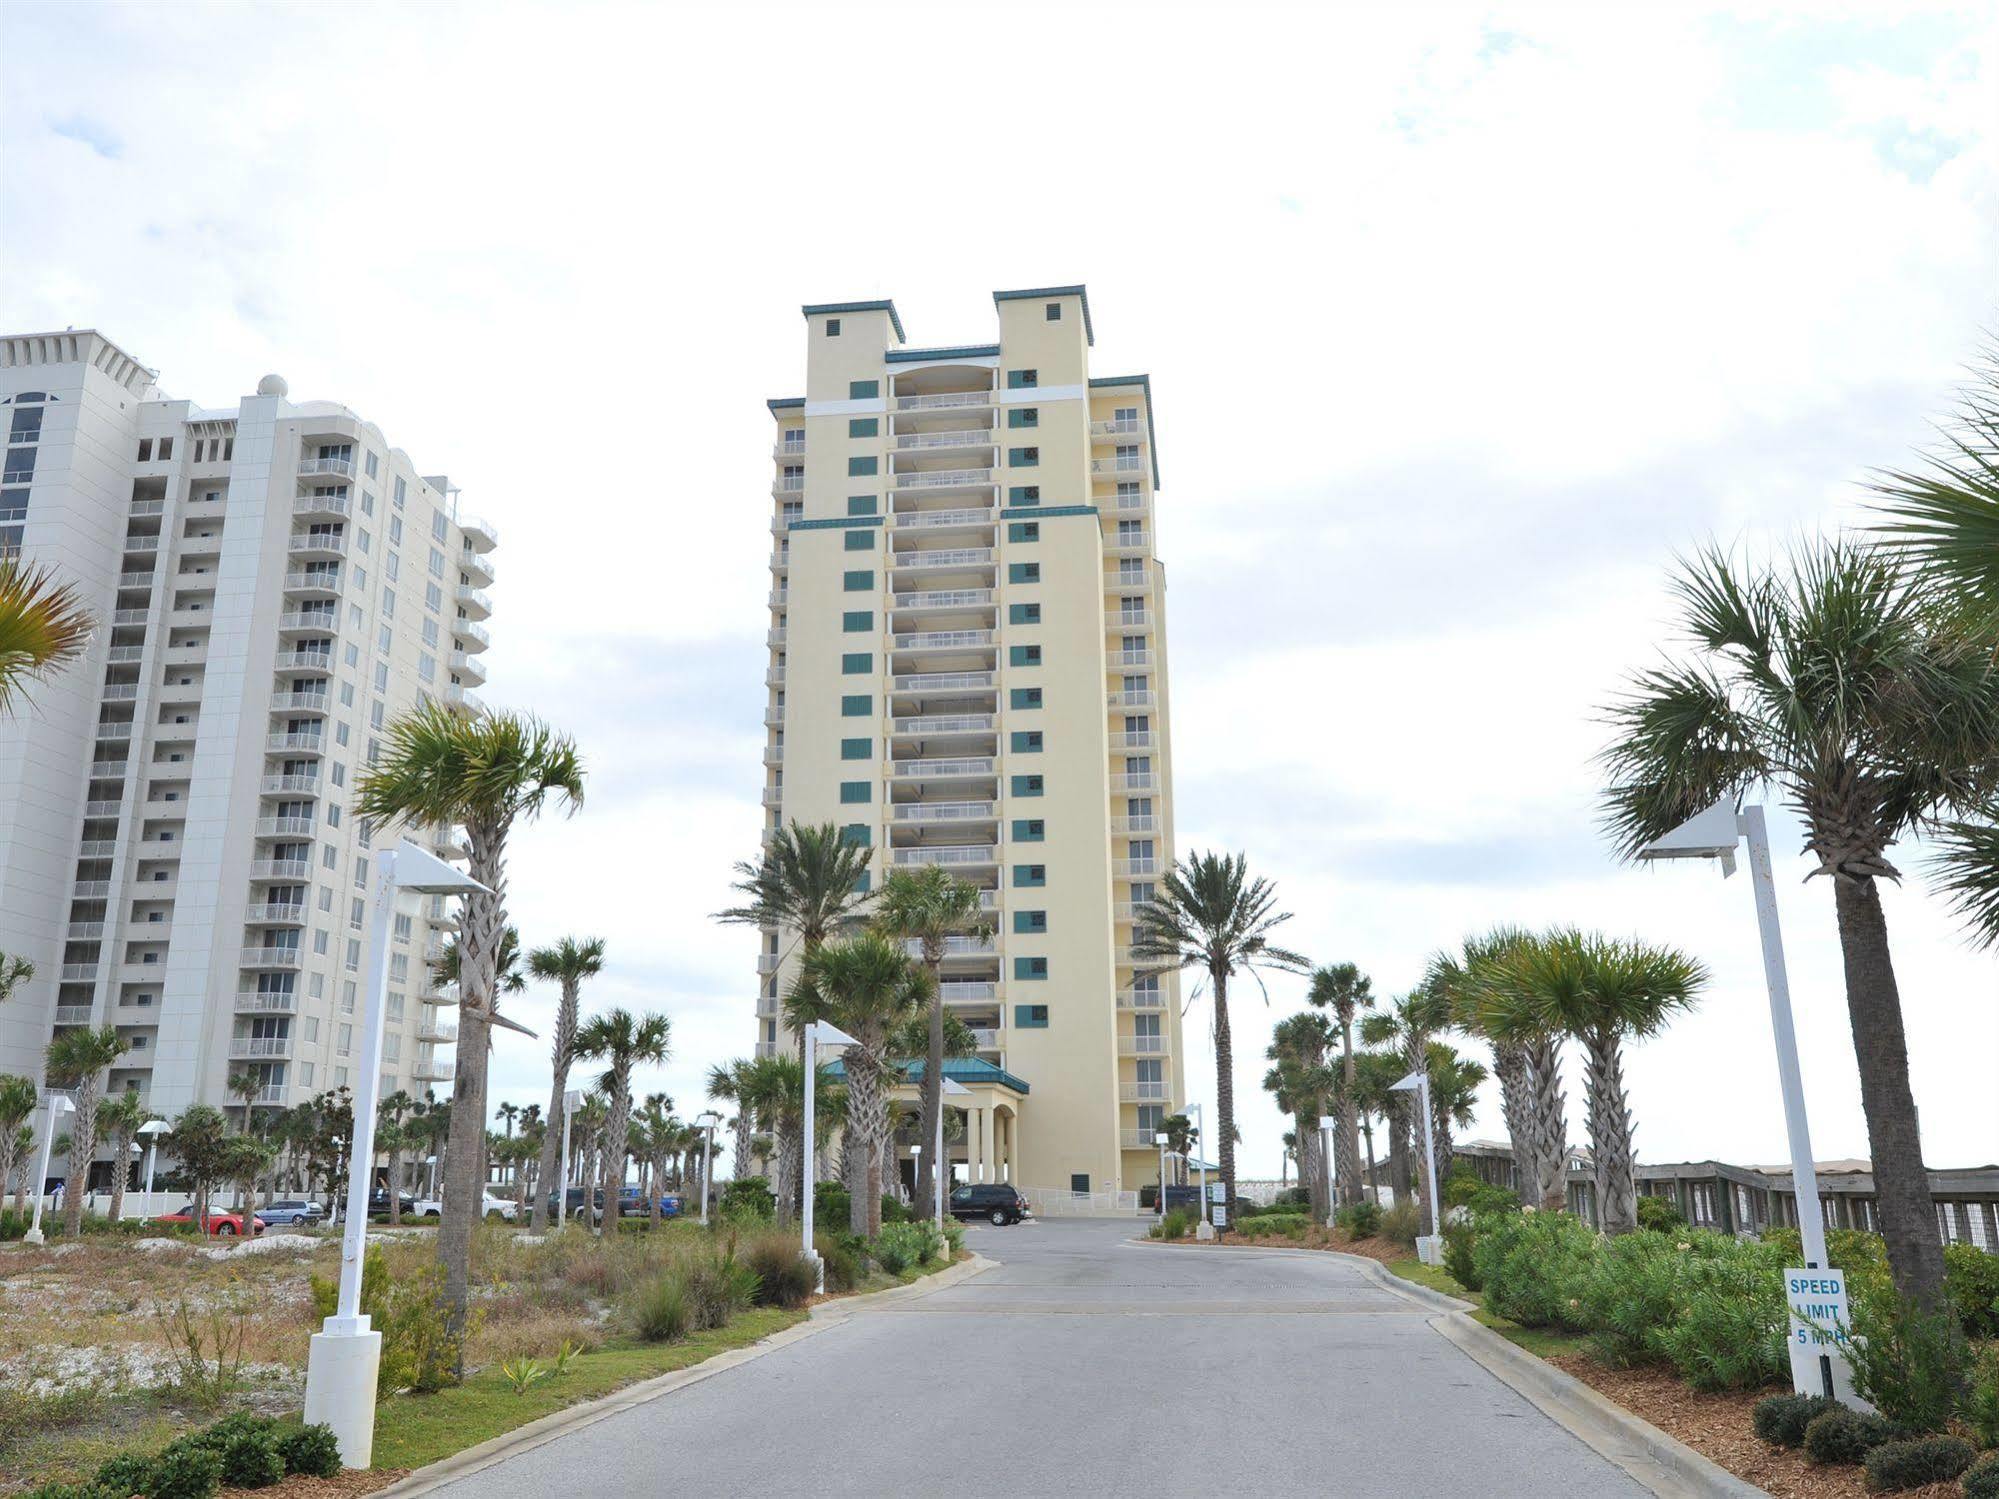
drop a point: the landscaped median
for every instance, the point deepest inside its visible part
(127, 1356)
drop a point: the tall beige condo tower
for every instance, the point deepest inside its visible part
(272, 583)
(968, 668)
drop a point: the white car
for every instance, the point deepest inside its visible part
(431, 1207)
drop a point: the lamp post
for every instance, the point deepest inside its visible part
(1159, 1139)
(152, 1129)
(1327, 1124)
(708, 1122)
(59, 1105)
(571, 1102)
(946, 1088)
(1429, 1248)
(346, 1353)
(1204, 1229)
(818, 1033)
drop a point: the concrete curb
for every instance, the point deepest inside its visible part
(828, 1314)
(1373, 1270)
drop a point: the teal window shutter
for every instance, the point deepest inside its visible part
(860, 541)
(1028, 876)
(861, 504)
(861, 884)
(857, 835)
(858, 582)
(857, 749)
(857, 619)
(1029, 922)
(1023, 494)
(1024, 416)
(1030, 1017)
(860, 467)
(1029, 830)
(1023, 614)
(1024, 697)
(852, 792)
(864, 426)
(1023, 655)
(1027, 785)
(863, 390)
(1015, 458)
(1023, 530)
(1027, 743)
(857, 661)
(1022, 379)
(1030, 968)
(857, 705)
(1022, 572)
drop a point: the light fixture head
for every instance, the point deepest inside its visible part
(950, 1087)
(1712, 834)
(1408, 1084)
(155, 1127)
(422, 872)
(1329, 1121)
(825, 1033)
(572, 1100)
(1159, 1139)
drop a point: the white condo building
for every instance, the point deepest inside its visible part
(272, 584)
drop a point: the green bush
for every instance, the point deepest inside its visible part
(123, 1475)
(1981, 1479)
(1294, 1197)
(954, 1238)
(1981, 1397)
(832, 1207)
(893, 1210)
(844, 1267)
(1361, 1220)
(903, 1245)
(1459, 1240)
(1532, 1267)
(184, 1470)
(1845, 1436)
(1631, 1292)
(1782, 1420)
(718, 1287)
(374, 1282)
(1908, 1363)
(1401, 1223)
(250, 1461)
(1730, 1320)
(1660, 1214)
(74, 1491)
(748, 1199)
(1971, 1280)
(1175, 1225)
(1275, 1226)
(1894, 1466)
(311, 1450)
(1461, 1185)
(660, 1310)
(785, 1277)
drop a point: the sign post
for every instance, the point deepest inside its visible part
(1820, 1328)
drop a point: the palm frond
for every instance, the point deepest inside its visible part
(43, 626)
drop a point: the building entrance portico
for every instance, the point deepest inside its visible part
(981, 1125)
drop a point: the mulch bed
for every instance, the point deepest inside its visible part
(349, 1483)
(1717, 1427)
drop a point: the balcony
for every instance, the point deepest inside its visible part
(479, 532)
(109, 731)
(320, 661)
(1129, 467)
(148, 507)
(1134, 869)
(1133, 504)
(458, 695)
(284, 827)
(300, 621)
(968, 991)
(943, 478)
(473, 602)
(273, 871)
(121, 692)
(780, 560)
(469, 667)
(435, 1071)
(436, 1031)
(300, 702)
(917, 813)
(945, 681)
(96, 848)
(325, 583)
(963, 437)
(77, 973)
(317, 544)
(129, 616)
(1140, 780)
(91, 889)
(1141, 1046)
(124, 655)
(472, 637)
(773, 796)
(335, 467)
(250, 1002)
(769, 1049)
(290, 785)
(945, 723)
(74, 1014)
(1127, 827)
(85, 931)
(1121, 582)
(433, 952)
(135, 580)
(274, 1094)
(939, 520)
(251, 1047)
(944, 770)
(269, 957)
(942, 557)
(1133, 739)
(1126, 621)
(984, 1039)
(100, 809)
(279, 913)
(1134, 698)
(1139, 1139)
(923, 858)
(769, 962)
(322, 504)
(293, 744)
(1129, 544)
(960, 946)
(944, 640)
(1129, 427)
(943, 598)
(480, 567)
(1123, 660)
(439, 996)
(774, 677)
(775, 637)
(789, 448)
(788, 484)
(1142, 1092)
(773, 754)
(946, 401)
(142, 544)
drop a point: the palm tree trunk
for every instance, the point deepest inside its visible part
(788, 1144)
(617, 1130)
(1509, 1065)
(1610, 1134)
(1224, 1087)
(562, 1049)
(1550, 1131)
(1311, 1164)
(1400, 1179)
(121, 1167)
(933, 1072)
(478, 950)
(739, 1162)
(1416, 1056)
(1894, 1139)
(1348, 1129)
(1367, 1130)
(395, 1188)
(82, 1146)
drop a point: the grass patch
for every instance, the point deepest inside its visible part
(412, 1430)
(1431, 1278)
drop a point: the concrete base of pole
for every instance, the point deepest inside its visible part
(33, 1236)
(1430, 1249)
(818, 1270)
(340, 1372)
(1204, 1230)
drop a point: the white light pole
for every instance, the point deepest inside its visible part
(708, 1121)
(818, 1033)
(1327, 1124)
(571, 1102)
(946, 1088)
(1429, 1248)
(1159, 1139)
(346, 1353)
(152, 1129)
(59, 1105)
(1204, 1229)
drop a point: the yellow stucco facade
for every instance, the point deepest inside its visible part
(968, 667)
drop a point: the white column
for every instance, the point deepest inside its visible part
(986, 1144)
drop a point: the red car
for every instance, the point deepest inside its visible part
(218, 1223)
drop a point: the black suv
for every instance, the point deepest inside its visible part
(996, 1202)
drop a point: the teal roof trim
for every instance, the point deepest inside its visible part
(1028, 295)
(814, 309)
(955, 351)
(1144, 383)
(958, 1069)
(785, 403)
(1037, 512)
(837, 523)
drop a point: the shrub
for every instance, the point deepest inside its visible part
(1783, 1419)
(785, 1277)
(1275, 1226)
(123, 1475)
(1399, 1225)
(419, 1350)
(843, 1266)
(660, 1311)
(250, 1461)
(748, 1199)
(903, 1245)
(73, 1491)
(1845, 1436)
(954, 1238)
(1458, 1241)
(1908, 1363)
(1981, 1479)
(1981, 1397)
(1971, 1280)
(1461, 1185)
(1175, 1225)
(1730, 1321)
(893, 1210)
(1630, 1294)
(718, 1286)
(832, 1207)
(1660, 1214)
(1361, 1220)
(1894, 1466)
(1532, 1268)
(1294, 1197)
(374, 1281)
(311, 1450)
(184, 1471)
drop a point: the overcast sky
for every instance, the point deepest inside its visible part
(1458, 327)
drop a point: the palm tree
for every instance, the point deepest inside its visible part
(43, 627)
(485, 773)
(775, 1091)
(929, 906)
(658, 1137)
(244, 1088)
(73, 1060)
(14, 972)
(1464, 979)
(392, 1138)
(810, 879)
(568, 963)
(1947, 512)
(866, 985)
(1344, 990)
(1303, 1082)
(1408, 1025)
(1454, 1085)
(1850, 694)
(1179, 1132)
(725, 1082)
(1209, 914)
(625, 1042)
(201, 1144)
(18, 1100)
(1602, 991)
(118, 1121)
(586, 1141)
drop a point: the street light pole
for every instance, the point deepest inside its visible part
(817, 1033)
(1205, 1229)
(1159, 1139)
(1429, 1248)
(571, 1102)
(708, 1120)
(58, 1106)
(943, 1167)
(345, 1354)
(1327, 1124)
(152, 1129)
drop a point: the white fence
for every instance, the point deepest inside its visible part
(1049, 1202)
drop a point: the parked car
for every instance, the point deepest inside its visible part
(378, 1203)
(996, 1202)
(574, 1203)
(632, 1205)
(298, 1214)
(224, 1225)
(492, 1207)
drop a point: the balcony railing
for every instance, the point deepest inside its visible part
(435, 1071)
(434, 1032)
(303, 661)
(115, 730)
(480, 637)
(474, 600)
(310, 581)
(148, 507)
(919, 770)
(1142, 1092)
(280, 913)
(1139, 780)
(944, 401)
(309, 619)
(308, 744)
(1117, 468)
(943, 681)
(1116, 427)
(944, 557)
(84, 931)
(129, 616)
(299, 702)
(341, 466)
(273, 870)
(284, 827)
(1127, 583)
(791, 448)
(1141, 1046)
(943, 640)
(92, 889)
(984, 1039)
(1126, 827)
(960, 946)
(73, 1014)
(1139, 1139)
(1119, 659)
(321, 545)
(769, 962)
(142, 543)
(921, 858)
(943, 478)
(249, 1001)
(135, 580)
(1132, 739)
(1130, 869)
(305, 785)
(1134, 698)
(967, 437)
(260, 1046)
(1132, 502)
(77, 973)
(1129, 543)
(913, 812)
(322, 504)
(1130, 619)
(964, 991)
(942, 598)
(100, 809)
(269, 957)
(946, 723)
(930, 520)
(120, 655)
(121, 692)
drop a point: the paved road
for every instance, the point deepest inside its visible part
(1086, 1365)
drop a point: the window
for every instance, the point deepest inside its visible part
(857, 661)
(856, 749)
(1024, 416)
(860, 541)
(1023, 614)
(1023, 655)
(1030, 1017)
(1022, 379)
(862, 466)
(1023, 457)
(864, 426)
(1023, 494)
(145, 450)
(1030, 968)
(1023, 572)
(863, 390)
(1027, 743)
(1030, 876)
(1053, 312)
(27, 426)
(858, 582)
(832, 327)
(1030, 921)
(1024, 530)
(861, 504)
(855, 792)
(1024, 697)
(21, 465)
(857, 835)
(857, 619)
(1029, 830)
(1027, 785)
(857, 705)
